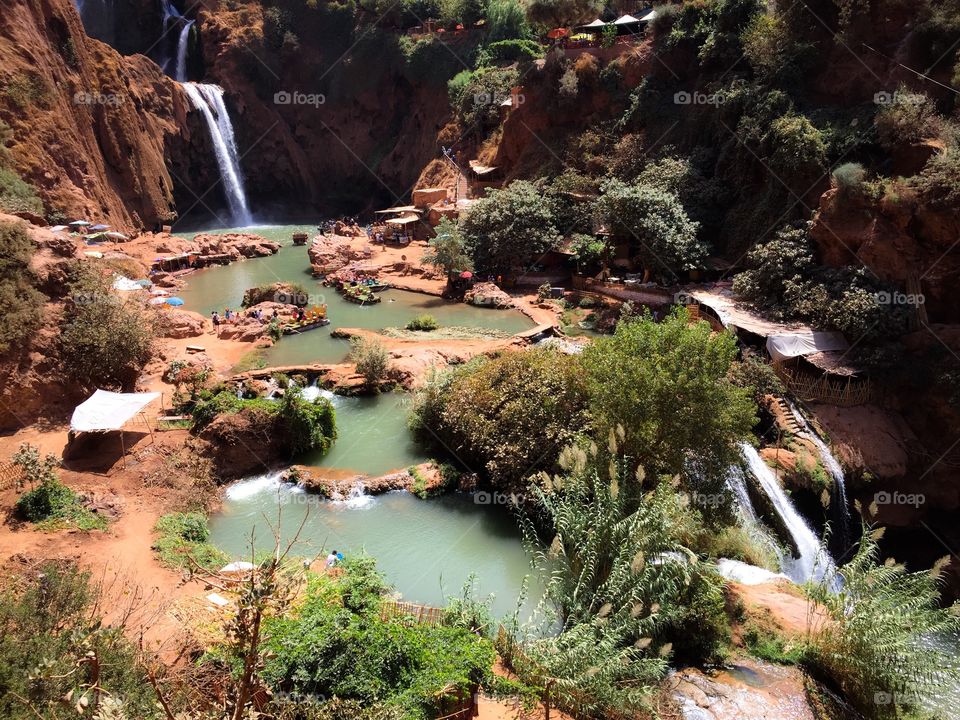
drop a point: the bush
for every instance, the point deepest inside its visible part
(476, 96)
(666, 385)
(309, 426)
(426, 323)
(907, 117)
(508, 416)
(370, 358)
(182, 536)
(49, 502)
(939, 182)
(509, 229)
(21, 302)
(336, 645)
(506, 20)
(447, 251)
(849, 179)
(509, 51)
(104, 339)
(756, 376)
(17, 195)
(55, 645)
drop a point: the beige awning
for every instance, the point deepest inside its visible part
(481, 169)
(399, 209)
(403, 220)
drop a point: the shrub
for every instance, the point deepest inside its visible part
(654, 223)
(756, 376)
(506, 20)
(666, 384)
(55, 645)
(104, 339)
(785, 260)
(878, 633)
(508, 416)
(907, 117)
(370, 358)
(425, 322)
(849, 179)
(476, 96)
(309, 426)
(509, 51)
(182, 536)
(49, 502)
(16, 195)
(939, 182)
(447, 251)
(21, 302)
(509, 229)
(335, 644)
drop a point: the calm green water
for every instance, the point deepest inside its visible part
(218, 288)
(372, 435)
(426, 549)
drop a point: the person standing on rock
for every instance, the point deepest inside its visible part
(216, 323)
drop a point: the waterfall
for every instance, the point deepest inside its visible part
(811, 563)
(183, 42)
(98, 19)
(208, 99)
(840, 510)
(355, 499)
(738, 486)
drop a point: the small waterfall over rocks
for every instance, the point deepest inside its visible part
(174, 62)
(839, 508)
(811, 564)
(208, 99)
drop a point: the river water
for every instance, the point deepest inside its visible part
(218, 288)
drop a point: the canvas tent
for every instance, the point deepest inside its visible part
(104, 410)
(803, 343)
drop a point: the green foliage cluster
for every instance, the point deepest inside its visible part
(756, 376)
(666, 384)
(371, 360)
(883, 631)
(16, 195)
(20, 300)
(57, 656)
(49, 503)
(521, 51)
(425, 322)
(509, 229)
(105, 340)
(336, 645)
(447, 250)
(304, 425)
(938, 184)
(509, 415)
(475, 96)
(783, 279)
(628, 593)
(182, 536)
(506, 20)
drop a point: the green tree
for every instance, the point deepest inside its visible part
(370, 358)
(20, 300)
(508, 416)
(448, 250)
(776, 266)
(654, 222)
(509, 229)
(104, 339)
(560, 13)
(666, 385)
(506, 20)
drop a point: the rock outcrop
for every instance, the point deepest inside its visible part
(92, 130)
(236, 245)
(487, 294)
(330, 253)
(179, 324)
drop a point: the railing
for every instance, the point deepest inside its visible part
(824, 389)
(10, 475)
(420, 614)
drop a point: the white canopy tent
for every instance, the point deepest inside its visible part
(802, 343)
(105, 411)
(625, 20)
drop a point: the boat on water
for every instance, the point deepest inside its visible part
(296, 328)
(360, 295)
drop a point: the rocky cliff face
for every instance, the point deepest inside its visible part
(94, 131)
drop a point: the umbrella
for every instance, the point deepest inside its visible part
(175, 301)
(160, 300)
(116, 236)
(99, 228)
(79, 223)
(558, 33)
(466, 275)
(93, 236)
(159, 291)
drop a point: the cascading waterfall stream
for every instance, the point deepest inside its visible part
(208, 99)
(840, 510)
(175, 63)
(811, 562)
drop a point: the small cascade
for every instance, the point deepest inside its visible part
(840, 510)
(811, 563)
(208, 99)
(250, 487)
(174, 60)
(355, 499)
(737, 483)
(746, 574)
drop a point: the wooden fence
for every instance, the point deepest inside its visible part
(822, 388)
(10, 475)
(420, 614)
